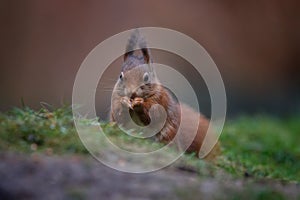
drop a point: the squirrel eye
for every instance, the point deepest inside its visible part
(121, 76)
(146, 77)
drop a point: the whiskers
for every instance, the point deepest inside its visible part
(108, 89)
(107, 80)
(101, 89)
(107, 85)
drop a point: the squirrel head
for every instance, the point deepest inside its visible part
(137, 77)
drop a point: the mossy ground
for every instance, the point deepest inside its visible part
(257, 147)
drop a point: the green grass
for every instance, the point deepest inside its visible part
(258, 147)
(28, 131)
(262, 147)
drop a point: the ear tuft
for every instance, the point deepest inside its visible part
(136, 40)
(146, 55)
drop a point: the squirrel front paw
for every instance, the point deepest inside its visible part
(126, 102)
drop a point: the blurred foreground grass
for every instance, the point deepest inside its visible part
(253, 146)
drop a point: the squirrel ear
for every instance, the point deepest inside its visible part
(127, 54)
(145, 52)
(137, 40)
(146, 55)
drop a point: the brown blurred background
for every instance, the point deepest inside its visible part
(255, 44)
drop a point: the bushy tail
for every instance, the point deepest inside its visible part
(136, 40)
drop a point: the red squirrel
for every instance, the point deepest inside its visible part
(138, 89)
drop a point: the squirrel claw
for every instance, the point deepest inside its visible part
(125, 101)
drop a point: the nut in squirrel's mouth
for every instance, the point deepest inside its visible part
(132, 103)
(136, 102)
